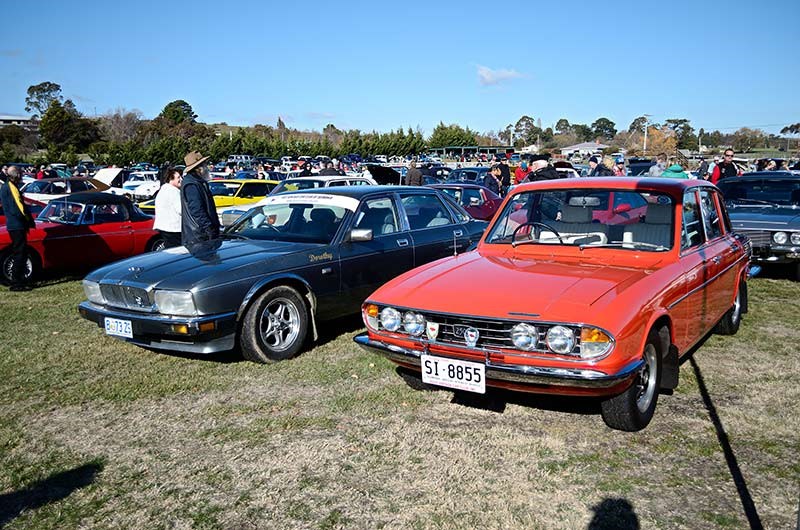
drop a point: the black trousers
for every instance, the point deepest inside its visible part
(171, 239)
(19, 256)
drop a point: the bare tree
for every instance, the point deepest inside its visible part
(121, 125)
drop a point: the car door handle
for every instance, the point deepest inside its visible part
(402, 242)
(716, 259)
(458, 233)
(327, 270)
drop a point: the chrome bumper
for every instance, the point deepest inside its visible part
(156, 331)
(532, 375)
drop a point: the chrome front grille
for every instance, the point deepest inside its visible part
(127, 297)
(758, 238)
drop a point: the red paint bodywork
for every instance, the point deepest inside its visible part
(625, 292)
(490, 201)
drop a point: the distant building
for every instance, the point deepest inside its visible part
(22, 121)
(583, 149)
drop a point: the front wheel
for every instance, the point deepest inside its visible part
(7, 264)
(633, 409)
(729, 324)
(158, 244)
(275, 326)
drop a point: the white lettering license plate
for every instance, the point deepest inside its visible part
(120, 328)
(453, 373)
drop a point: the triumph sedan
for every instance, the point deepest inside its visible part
(294, 260)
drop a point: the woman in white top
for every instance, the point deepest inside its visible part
(168, 209)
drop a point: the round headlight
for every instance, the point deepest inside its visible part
(390, 319)
(524, 336)
(795, 238)
(780, 238)
(414, 323)
(560, 340)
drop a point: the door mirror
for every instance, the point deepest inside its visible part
(360, 234)
(474, 201)
(622, 208)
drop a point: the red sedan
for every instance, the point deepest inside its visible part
(83, 230)
(480, 203)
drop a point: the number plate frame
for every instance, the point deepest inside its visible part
(436, 371)
(118, 327)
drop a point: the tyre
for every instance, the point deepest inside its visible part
(31, 267)
(729, 324)
(158, 244)
(275, 326)
(633, 409)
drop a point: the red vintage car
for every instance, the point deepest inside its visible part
(479, 201)
(557, 301)
(83, 230)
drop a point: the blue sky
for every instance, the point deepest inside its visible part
(382, 65)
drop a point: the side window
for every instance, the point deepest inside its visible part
(425, 211)
(708, 209)
(461, 215)
(254, 189)
(378, 215)
(691, 228)
(337, 183)
(472, 197)
(79, 185)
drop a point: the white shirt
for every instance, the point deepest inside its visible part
(168, 209)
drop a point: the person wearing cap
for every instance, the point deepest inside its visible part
(598, 169)
(414, 175)
(18, 222)
(199, 219)
(521, 173)
(619, 167)
(541, 169)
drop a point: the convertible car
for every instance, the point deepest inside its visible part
(294, 260)
(575, 305)
(83, 230)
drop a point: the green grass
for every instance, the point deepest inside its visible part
(336, 439)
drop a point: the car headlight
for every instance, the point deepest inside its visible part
(594, 342)
(414, 323)
(524, 336)
(560, 339)
(175, 303)
(780, 238)
(92, 291)
(370, 314)
(795, 238)
(391, 319)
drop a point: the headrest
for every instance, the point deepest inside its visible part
(323, 215)
(576, 214)
(659, 214)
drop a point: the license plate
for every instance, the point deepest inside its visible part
(453, 373)
(120, 328)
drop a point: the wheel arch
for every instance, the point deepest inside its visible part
(290, 280)
(670, 365)
(152, 241)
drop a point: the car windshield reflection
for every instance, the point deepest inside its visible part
(293, 222)
(587, 218)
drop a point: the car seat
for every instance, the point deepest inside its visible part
(322, 224)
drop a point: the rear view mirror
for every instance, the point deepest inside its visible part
(360, 234)
(584, 201)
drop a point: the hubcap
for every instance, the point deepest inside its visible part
(280, 324)
(8, 268)
(646, 381)
(737, 307)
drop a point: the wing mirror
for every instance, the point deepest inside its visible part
(360, 234)
(622, 208)
(474, 201)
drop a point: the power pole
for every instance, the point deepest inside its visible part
(646, 122)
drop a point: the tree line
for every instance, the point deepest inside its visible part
(124, 136)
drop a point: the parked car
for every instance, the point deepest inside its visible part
(297, 259)
(142, 185)
(83, 230)
(468, 174)
(43, 190)
(639, 166)
(765, 206)
(478, 201)
(574, 307)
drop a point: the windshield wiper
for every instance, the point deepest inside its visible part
(626, 244)
(755, 201)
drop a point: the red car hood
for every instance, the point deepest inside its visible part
(496, 286)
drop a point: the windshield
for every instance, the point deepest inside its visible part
(59, 211)
(784, 192)
(298, 184)
(223, 189)
(587, 218)
(290, 221)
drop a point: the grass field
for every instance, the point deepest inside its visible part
(96, 433)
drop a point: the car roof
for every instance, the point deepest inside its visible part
(457, 184)
(790, 175)
(94, 197)
(326, 178)
(673, 186)
(357, 192)
(244, 181)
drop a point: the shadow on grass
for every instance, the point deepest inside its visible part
(614, 514)
(730, 458)
(54, 488)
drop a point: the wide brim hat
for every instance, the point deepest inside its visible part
(193, 160)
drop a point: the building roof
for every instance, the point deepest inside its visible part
(585, 146)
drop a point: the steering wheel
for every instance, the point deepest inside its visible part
(535, 224)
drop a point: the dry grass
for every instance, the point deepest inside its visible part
(336, 439)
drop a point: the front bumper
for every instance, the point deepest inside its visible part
(522, 377)
(205, 334)
(776, 254)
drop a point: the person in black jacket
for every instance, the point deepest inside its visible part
(505, 175)
(492, 179)
(18, 222)
(598, 168)
(199, 219)
(541, 169)
(413, 176)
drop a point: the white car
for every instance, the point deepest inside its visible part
(139, 178)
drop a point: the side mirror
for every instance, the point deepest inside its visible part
(474, 201)
(622, 208)
(360, 234)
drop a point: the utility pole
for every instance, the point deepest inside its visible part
(646, 122)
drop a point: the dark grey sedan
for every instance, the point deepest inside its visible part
(293, 260)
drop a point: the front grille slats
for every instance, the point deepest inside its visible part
(127, 297)
(758, 238)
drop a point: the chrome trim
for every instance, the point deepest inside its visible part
(514, 373)
(703, 286)
(159, 318)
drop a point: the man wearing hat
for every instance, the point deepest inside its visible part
(541, 169)
(598, 168)
(199, 220)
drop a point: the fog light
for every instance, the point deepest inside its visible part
(183, 329)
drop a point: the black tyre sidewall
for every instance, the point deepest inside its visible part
(253, 347)
(4, 263)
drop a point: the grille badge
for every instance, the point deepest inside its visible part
(471, 336)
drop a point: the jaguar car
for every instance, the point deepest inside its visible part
(560, 301)
(294, 260)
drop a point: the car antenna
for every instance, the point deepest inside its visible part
(455, 247)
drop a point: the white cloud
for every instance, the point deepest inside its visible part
(487, 76)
